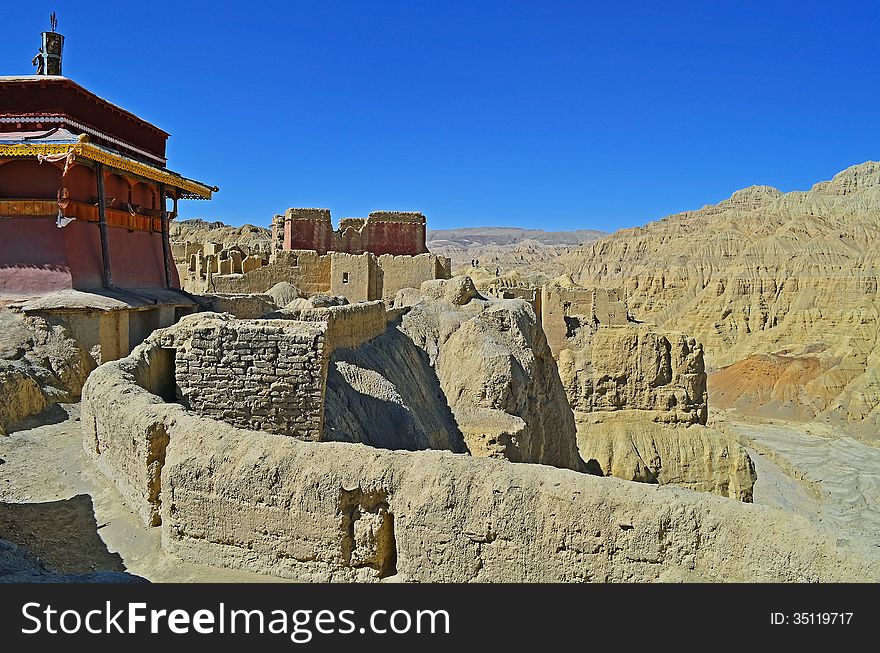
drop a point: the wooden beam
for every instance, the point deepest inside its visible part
(166, 244)
(102, 226)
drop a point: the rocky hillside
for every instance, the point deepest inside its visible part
(249, 236)
(781, 286)
(527, 253)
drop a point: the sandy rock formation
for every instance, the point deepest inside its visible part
(529, 253)
(766, 273)
(386, 394)
(283, 293)
(502, 384)
(40, 363)
(695, 457)
(637, 368)
(640, 403)
(455, 369)
(249, 237)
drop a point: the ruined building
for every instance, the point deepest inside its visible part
(365, 259)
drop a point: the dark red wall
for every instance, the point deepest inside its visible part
(29, 179)
(136, 259)
(394, 238)
(63, 96)
(377, 237)
(307, 234)
(37, 257)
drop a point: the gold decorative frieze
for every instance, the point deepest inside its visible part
(96, 153)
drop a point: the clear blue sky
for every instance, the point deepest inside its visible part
(557, 115)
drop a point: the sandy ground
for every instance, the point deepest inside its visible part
(55, 504)
(815, 470)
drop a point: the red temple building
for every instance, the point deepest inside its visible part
(85, 194)
(400, 233)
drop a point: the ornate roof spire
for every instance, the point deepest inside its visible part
(48, 59)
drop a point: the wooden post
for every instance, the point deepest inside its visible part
(166, 245)
(102, 226)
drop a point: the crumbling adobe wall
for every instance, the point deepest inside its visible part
(400, 272)
(355, 277)
(244, 307)
(126, 434)
(352, 325)
(348, 512)
(261, 374)
(567, 308)
(349, 237)
(308, 271)
(347, 326)
(308, 229)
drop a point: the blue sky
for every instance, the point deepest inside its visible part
(555, 115)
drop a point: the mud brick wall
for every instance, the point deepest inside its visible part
(410, 271)
(347, 326)
(266, 375)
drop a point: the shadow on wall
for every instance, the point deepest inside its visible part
(63, 534)
(386, 394)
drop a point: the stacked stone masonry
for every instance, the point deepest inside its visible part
(266, 375)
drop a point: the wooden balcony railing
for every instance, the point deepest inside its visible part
(15, 208)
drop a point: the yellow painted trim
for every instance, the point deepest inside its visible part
(99, 154)
(33, 149)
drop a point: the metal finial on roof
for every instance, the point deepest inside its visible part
(48, 59)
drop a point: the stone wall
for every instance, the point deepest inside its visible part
(261, 374)
(345, 512)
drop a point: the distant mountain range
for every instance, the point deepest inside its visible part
(501, 236)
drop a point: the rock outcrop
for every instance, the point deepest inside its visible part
(455, 371)
(635, 389)
(766, 273)
(640, 368)
(695, 457)
(40, 364)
